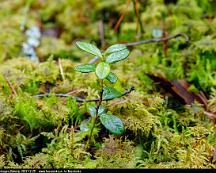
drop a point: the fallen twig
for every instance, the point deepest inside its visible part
(155, 40)
(78, 99)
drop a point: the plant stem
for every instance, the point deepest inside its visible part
(96, 117)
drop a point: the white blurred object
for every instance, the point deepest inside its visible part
(33, 40)
(33, 32)
(157, 33)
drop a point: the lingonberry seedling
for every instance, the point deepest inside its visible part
(102, 70)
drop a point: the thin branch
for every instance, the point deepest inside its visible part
(48, 94)
(128, 91)
(78, 99)
(154, 40)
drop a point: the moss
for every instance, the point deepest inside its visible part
(46, 132)
(37, 161)
(65, 149)
(2, 162)
(116, 153)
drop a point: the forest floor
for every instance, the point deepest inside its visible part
(169, 117)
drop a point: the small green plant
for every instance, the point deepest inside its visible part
(113, 54)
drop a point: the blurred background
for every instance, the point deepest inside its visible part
(61, 22)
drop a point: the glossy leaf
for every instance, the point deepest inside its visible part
(92, 110)
(90, 48)
(117, 56)
(86, 68)
(112, 123)
(101, 110)
(115, 48)
(112, 77)
(110, 93)
(102, 70)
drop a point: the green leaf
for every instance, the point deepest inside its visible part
(90, 48)
(92, 110)
(102, 70)
(112, 123)
(85, 68)
(110, 93)
(101, 110)
(112, 77)
(115, 48)
(117, 56)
